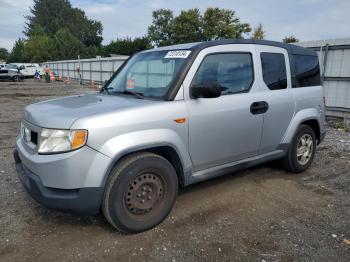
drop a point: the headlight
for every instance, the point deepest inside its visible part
(58, 141)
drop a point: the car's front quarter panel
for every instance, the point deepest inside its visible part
(126, 131)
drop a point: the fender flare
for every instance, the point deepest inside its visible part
(298, 119)
(125, 144)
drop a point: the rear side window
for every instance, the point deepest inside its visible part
(307, 71)
(274, 70)
(232, 71)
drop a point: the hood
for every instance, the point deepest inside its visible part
(61, 113)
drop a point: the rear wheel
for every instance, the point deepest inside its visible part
(301, 151)
(140, 192)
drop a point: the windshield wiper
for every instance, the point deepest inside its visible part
(104, 88)
(128, 92)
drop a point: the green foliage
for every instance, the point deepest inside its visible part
(222, 24)
(187, 27)
(4, 54)
(38, 48)
(17, 53)
(258, 33)
(160, 32)
(52, 15)
(126, 46)
(66, 45)
(191, 26)
(55, 30)
(290, 39)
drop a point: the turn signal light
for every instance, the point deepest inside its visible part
(79, 139)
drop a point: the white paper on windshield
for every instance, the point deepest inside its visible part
(178, 54)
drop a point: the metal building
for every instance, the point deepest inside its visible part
(334, 57)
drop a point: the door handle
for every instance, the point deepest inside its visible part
(259, 107)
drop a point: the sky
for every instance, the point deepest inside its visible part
(305, 19)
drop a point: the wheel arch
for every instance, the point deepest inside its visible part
(313, 123)
(308, 117)
(167, 151)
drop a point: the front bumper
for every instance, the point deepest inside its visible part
(81, 200)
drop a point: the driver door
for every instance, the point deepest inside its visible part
(223, 129)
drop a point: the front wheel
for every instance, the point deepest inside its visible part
(301, 151)
(16, 79)
(140, 192)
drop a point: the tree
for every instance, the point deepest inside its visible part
(17, 52)
(66, 45)
(187, 27)
(258, 33)
(3, 54)
(38, 49)
(222, 23)
(191, 26)
(290, 39)
(127, 46)
(52, 15)
(160, 32)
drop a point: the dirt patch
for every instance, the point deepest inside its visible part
(259, 214)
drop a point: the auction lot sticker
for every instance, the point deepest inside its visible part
(178, 54)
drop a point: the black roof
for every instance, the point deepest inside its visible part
(291, 49)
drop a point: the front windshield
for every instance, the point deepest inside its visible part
(149, 74)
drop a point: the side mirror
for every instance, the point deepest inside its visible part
(205, 91)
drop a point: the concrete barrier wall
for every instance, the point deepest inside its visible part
(97, 69)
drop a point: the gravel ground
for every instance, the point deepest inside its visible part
(261, 214)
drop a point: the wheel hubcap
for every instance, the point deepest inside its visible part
(304, 149)
(144, 193)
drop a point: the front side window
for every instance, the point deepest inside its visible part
(150, 74)
(274, 70)
(232, 71)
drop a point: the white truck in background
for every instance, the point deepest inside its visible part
(27, 69)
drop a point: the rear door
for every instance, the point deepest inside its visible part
(223, 129)
(276, 91)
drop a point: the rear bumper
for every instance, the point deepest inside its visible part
(81, 200)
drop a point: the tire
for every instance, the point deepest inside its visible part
(299, 158)
(16, 79)
(140, 192)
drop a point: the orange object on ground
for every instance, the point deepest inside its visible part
(52, 77)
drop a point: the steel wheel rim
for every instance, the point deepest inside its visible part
(144, 194)
(304, 149)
